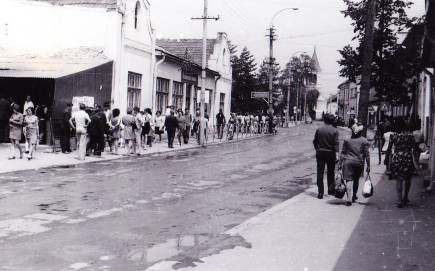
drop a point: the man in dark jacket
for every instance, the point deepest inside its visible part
(96, 131)
(326, 145)
(65, 129)
(220, 121)
(5, 114)
(171, 124)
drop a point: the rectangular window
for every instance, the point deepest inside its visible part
(134, 89)
(177, 95)
(162, 93)
(222, 101)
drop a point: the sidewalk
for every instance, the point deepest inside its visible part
(308, 234)
(45, 157)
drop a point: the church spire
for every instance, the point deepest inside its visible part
(314, 64)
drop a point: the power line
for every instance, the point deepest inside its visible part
(318, 33)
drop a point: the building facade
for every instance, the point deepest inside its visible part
(72, 38)
(179, 79)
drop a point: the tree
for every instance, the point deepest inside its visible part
(391, 19)
(303, 79)
(244, 82)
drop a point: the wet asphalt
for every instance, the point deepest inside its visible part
(130, 213)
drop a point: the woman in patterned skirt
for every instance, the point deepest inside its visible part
(402, 165)
(31, 129)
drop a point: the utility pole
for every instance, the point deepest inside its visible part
(204, 19)
(367, 64)
(271, 60)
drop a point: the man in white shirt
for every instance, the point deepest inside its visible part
(82, 120)
(28, 104)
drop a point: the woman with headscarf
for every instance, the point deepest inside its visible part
(402, 164)
(353, 154)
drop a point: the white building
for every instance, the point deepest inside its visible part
(62, 40)
(181, 89)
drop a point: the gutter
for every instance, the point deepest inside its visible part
(154, 98)
(214, 97)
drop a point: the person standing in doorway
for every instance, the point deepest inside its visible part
(171, 124)
(5, 113)
(326, 145)
(28, 103)
(65, 129)
(82, 120)
(220, 122)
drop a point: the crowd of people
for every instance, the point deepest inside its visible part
(97, 129)
(28, 122)
(403, 144)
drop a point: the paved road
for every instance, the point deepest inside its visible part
(130, 213)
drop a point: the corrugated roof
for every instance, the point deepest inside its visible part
(49, 69)
(108, 4)
(194, 47)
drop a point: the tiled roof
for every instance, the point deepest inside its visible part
(194, 48)
(108, 4)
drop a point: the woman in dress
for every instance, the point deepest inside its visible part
(181, 125)
(115, 130)
(31, 129)
(129, 123)
(402, 164)
(353, 154)
(15, 130)
(146, 126)
(160, 124)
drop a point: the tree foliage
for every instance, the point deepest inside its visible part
(244, 82)
(390, 20)
(302, 81)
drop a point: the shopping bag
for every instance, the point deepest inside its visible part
(340, 187)
(368, 187)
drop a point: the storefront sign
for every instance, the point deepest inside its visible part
(198, 96)
(86, 100)
(189, 78)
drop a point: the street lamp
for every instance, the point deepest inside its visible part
(287, 114)
(271, 39)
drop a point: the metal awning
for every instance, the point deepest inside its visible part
(45, 68)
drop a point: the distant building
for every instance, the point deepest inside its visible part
(332, 105)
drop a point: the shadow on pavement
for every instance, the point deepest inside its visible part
(389, 238)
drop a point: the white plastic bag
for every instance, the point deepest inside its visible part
(368, 187)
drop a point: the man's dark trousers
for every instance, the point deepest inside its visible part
(171, 136)
(64, 141)
(220, 130)
(4, 131)
(328, 158)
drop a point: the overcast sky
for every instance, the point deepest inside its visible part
(317, 23)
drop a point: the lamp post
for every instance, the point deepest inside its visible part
(287, 114)
(271, 39)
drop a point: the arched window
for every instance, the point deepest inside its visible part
(136, 15)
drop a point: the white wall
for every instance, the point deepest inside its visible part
(44, 29)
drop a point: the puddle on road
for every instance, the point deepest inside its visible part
(173, 247)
